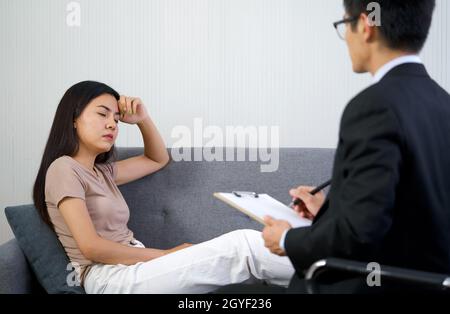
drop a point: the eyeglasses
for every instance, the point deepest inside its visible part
(341, 27)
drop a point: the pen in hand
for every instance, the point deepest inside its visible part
(298, 201)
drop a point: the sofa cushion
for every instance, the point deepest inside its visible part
(42, 249)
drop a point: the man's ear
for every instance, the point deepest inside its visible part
(367, 27)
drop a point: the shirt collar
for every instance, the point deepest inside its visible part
(394, 63)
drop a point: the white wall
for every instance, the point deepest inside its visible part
(230, 62)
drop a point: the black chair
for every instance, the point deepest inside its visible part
(420, 280)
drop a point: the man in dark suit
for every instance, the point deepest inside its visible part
(389, 200)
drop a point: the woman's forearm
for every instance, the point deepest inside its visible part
(109, 252)
(154, 146)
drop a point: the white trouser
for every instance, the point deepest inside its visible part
(235, 257)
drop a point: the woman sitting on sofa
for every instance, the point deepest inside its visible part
(76, 193)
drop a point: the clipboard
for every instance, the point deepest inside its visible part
(257, 206)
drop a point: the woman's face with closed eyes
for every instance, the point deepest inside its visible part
(97, 126)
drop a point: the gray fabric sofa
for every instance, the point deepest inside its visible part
(176, 205)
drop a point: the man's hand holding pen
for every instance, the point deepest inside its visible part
(310, 204)
(306, 201)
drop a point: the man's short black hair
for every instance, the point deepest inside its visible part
(404, 23)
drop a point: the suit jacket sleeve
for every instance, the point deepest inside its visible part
(359, 215)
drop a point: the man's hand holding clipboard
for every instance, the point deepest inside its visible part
(304, 207)
(307, 202)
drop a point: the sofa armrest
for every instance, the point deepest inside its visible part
(408, 276)
(15, 274)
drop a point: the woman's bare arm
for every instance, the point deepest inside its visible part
(155, 155)
(95, 248)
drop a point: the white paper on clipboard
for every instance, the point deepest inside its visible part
(263, 205)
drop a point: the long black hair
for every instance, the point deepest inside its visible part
(63, 139)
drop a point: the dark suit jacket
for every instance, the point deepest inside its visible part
(390, 196)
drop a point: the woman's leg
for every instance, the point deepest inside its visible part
(235, 257)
